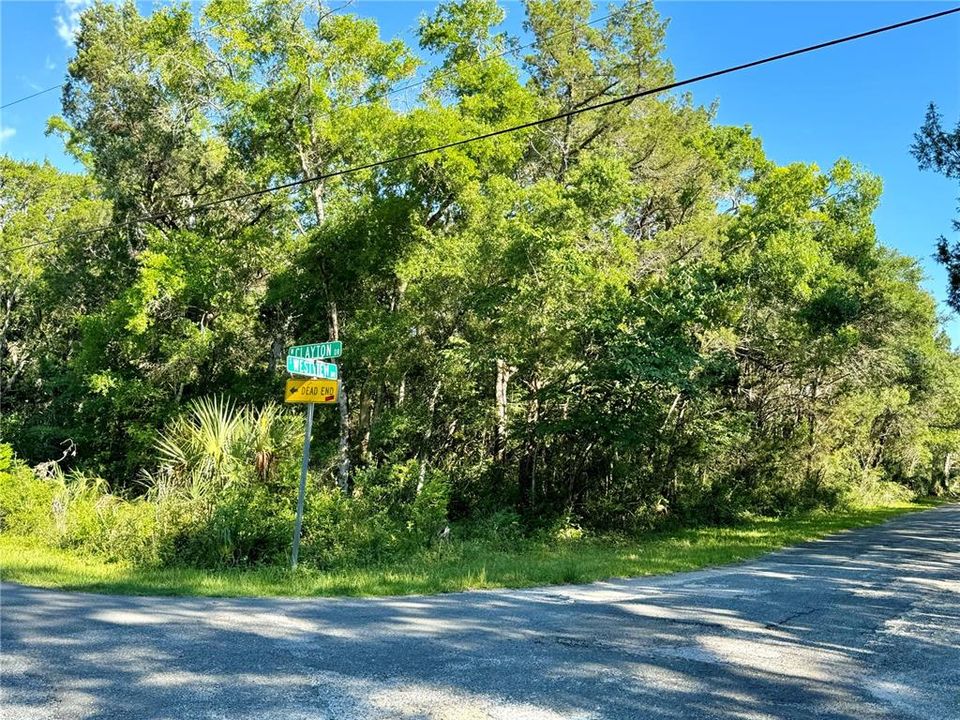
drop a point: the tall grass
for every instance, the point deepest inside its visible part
(463, 563)
(222, 493)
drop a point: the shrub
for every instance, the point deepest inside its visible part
(25, 500)
(221, 487)
(87, 517)
(399, 507)
(247, 525)
(76, 511)
(870, 490)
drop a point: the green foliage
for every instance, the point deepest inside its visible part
(214, 498)
(247, 525)
(460, 564)
(87, 517)
(393, 510)
(76, 511)
(25, 501)
(938, 149)
(220, 484)
(214, 443)
(627, 320)
(219, 497)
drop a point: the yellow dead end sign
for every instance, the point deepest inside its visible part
(311, 390)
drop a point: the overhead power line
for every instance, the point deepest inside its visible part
(393, 91)
(337, 9)
(503, 131)
(60, 85)
(448, 71)
(28, 97)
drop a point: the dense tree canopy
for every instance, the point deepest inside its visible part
(625, 315)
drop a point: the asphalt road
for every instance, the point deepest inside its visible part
(862, 625)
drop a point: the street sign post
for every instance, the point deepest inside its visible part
(312, 368)
(298, 524)
(320, 386)
(318, 351)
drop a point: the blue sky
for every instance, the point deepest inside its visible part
(863, 100)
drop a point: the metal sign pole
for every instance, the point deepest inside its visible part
(303, 487)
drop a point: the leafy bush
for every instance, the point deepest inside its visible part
(504, 526)
(224, 494)
(76, 511)
(25, 500)
(249, 524)
(872, 491)
(394, 508)
(219, 489)
(83, 515)
(215, 498)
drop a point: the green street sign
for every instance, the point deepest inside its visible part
(311, 368)
(317, 351)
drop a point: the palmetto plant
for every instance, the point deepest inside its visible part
(196, 448)
(215, 443)
(271, 434)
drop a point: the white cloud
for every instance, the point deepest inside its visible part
(6, 133)
(67, 19)
(49, 64)
(29, 83)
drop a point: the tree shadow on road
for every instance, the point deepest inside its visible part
(860, 625)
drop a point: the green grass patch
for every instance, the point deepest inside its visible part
(454, 566)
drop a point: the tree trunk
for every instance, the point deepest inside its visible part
(427, 435)
(369, 410)
(947, 468)
(812, 436)
(276, 354)
(500, 440)
(307, 169)
(343, 474)
(527, 472)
